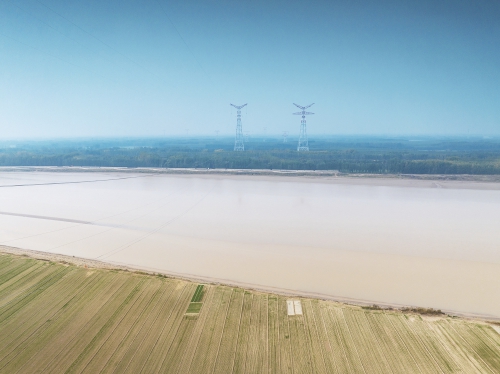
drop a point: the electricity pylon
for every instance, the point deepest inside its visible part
(303, 143)
(238, 140)
(285, 136)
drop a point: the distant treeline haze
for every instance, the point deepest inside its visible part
(349, 154)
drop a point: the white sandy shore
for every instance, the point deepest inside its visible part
(389, 241)
(455, 181)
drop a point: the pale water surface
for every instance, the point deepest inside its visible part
(424, 246)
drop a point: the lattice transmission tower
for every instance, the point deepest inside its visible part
(238, 140)
(303, 143)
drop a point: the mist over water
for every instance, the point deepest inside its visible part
(420, 243)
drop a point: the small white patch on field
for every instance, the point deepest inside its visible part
(294, 307)
(298, 307)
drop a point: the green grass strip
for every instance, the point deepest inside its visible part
(194, 307)
(198, 294)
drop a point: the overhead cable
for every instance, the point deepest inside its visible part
(96, 38)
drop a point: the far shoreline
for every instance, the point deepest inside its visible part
(452, 181)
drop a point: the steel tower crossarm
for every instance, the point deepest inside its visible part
(303, 113)
(239, 106)
(303, 107)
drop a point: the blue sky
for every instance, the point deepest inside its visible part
(156, 67)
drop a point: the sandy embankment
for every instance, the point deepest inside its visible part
(90, 263)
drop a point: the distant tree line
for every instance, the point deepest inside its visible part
(372, 156)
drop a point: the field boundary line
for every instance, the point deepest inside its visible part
(172, 342)
(442, 335)
(360, 336)
(317, 334)
(201, 321)
(290, 339)
(379, 343)
(22, 284)
(29, 287)
(328, 340)
(132, 327)
(36, 330)
(171, 291)
(403, 320)
(23, 274)
(14, 269)
(39, 329)
(238, 332)
(377, 338)
(54, 311)
(109, 300)
(487, 337)
(117, 324)
(404, 343)
(308, 338)
(16, 315)
(267, 347)
(279, 332)
(335, 324)
(473, 350)
(104, 327)
(352, 339)
(210, 337)
(177, 301)
(267, 329)
(464, 353)
(247, 352)
(71, 340)
(424, 345)
(181, 315)
(223, 327)
(32, 290)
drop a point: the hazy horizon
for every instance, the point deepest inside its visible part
(163, 69)
(253, 137)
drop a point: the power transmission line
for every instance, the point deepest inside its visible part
(184, 41)
(51, 55)
(46, 24)
(96, 38)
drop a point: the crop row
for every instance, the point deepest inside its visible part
(39, 320)
(198, 294)
(56, 318)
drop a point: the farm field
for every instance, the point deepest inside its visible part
(64, 318)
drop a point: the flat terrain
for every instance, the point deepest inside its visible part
(65, 318)
(428, 243)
